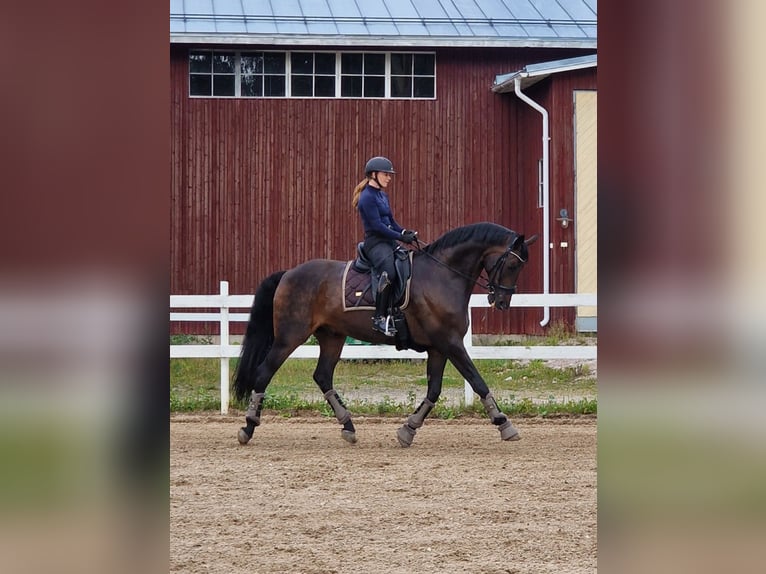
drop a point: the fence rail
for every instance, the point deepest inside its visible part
(225, 350)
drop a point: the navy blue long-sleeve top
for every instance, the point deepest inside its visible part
(376, 215)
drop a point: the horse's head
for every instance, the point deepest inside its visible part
(503, 271)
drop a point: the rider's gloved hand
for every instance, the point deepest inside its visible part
(409, 236)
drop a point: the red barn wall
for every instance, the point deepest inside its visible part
(259, 185)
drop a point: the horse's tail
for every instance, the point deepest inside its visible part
(259, 336)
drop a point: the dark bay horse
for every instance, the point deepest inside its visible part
(289, 306)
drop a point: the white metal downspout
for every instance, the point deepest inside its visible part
(546, 209)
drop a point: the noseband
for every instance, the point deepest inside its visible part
(496, 272)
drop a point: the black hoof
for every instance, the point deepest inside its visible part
(243, 436)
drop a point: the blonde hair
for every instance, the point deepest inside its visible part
(358, 191)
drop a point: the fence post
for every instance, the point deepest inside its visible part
(224, 337)
(468, 343)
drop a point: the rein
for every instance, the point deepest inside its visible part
(490, 285)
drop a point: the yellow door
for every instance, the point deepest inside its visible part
(585, 219)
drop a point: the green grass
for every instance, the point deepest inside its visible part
(556, 334)
(191, 340)
(394, 387)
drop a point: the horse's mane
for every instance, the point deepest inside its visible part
(485, 232)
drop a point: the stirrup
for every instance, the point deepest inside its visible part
(384, 325)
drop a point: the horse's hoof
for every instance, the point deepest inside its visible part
(348, 436)
(508, 431)
(243, 437)
(405, 435)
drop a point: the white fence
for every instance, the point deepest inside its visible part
(223, 303)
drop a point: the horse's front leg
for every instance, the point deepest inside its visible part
(464, 365)
(330, 347)
(435, 373)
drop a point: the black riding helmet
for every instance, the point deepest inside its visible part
(378, 163)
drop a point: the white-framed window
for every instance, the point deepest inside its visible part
(312, 74)
(303, 74)
(212, 73)
(413, 75)
(262, 74)
(363, 75)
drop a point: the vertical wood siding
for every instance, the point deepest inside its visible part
(259, 185)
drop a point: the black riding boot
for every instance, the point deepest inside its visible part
(382, 321)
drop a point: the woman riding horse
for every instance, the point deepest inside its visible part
(289, 306)
(381, 232)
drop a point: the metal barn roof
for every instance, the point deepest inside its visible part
(533, 73)
(474, 23)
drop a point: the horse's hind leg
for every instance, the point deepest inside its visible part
(276, 356)
(435, 371)
(330, 347)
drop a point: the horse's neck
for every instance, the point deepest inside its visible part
(466, 258)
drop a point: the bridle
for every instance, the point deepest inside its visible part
(492, 275)
(495, 273)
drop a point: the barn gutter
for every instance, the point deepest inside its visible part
(546, 192)
(529, 75)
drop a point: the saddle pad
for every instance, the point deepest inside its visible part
(357, 295)
(356, 290)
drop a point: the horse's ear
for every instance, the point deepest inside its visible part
(531, 240)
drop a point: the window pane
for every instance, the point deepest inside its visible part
(252, 63)
(223, 85)
(351, 86)
(424, 64)
(401, 64)
(199, 85)
(351, 64)
(324, 64)
(223, 63)
(375, 64)
(401, 87)
(301, 85)
(251, 86)
(200, 62)
(274, 62)
(273, 85)
(374, 87)
(424, 88)
(324, 86)
(302, 63)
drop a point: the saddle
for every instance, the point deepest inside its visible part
(360, 288)
(360, 281)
